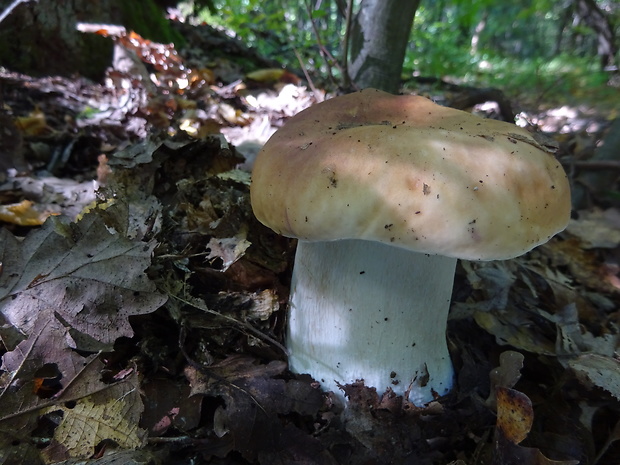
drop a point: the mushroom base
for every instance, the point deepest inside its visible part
(367, 311)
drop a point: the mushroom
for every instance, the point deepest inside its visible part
(385, 193)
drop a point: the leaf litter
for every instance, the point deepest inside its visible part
(146, 324)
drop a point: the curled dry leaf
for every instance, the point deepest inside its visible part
(515, 414)
(506, 375)
(515, 417)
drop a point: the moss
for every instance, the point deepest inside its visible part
(148, 20)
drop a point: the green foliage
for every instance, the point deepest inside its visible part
(561, 79)
(280, 29)
(433, 50)
(521, 44)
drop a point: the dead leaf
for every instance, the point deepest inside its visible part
(266, 75)
(49, 346)
(506, 375)
(168, 404)
(124, 457)
(597, 228)
(507, 453)
(514, 328)
(92, 278)
(228, 250)
(34, 124)
(272, 75)
(112, 414)
(89, 410)
(253, 400)
(22, 214)
(515, 417)
(515, 414)
(599, 371)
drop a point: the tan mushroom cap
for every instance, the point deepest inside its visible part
(405, 171)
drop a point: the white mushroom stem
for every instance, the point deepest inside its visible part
(366, 310)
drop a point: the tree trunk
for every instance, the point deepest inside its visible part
(379, 38)
(40, 38)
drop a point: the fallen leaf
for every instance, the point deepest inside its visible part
(124, 457)
(168, 404)
(228, 249)
(22, 214)
(253, 400)
(266, 75)
(599, 371)
(515, 416)
(112, 414)
(89, 410)
(597, 228)
(507, 453)
(506, 375)
(34, 124)
(89, 276)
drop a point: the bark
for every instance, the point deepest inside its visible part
(40, 38)
(379, 38)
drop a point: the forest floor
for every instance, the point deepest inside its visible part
(143, 305)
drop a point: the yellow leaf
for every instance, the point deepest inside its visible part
(111, 414)
(266, 75)
(22, 214)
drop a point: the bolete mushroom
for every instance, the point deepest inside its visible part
(384, 194)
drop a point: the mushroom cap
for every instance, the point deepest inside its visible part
(408, 172)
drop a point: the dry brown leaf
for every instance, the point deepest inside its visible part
(515, 414)
(249, 422)
(92, 410)
(168, 404)
(515, 417)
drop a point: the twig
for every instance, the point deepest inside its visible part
(234, 321)
(11, 7)
(172, 440)
(308, 78)
(327, 56)
(346, 79)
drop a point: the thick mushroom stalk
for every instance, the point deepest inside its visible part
(366, 310)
